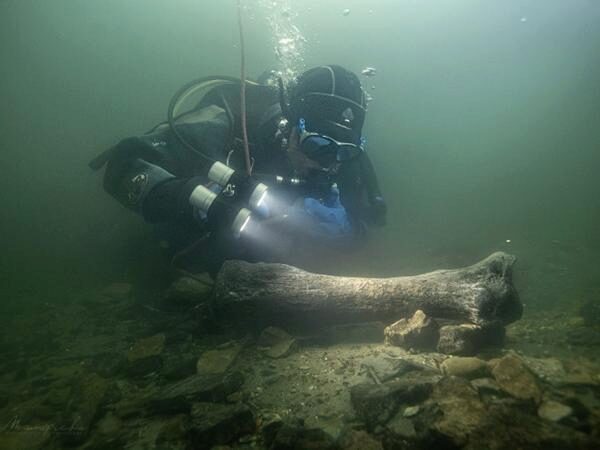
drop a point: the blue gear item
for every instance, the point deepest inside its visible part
(329, 217)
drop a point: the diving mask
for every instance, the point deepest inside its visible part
(318, 146)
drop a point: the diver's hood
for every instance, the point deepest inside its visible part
(331, 101)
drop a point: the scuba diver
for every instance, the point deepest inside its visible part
(305, 180)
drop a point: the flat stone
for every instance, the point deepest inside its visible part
(375, 404)
(550, 370)
(487, 386)
(554, 411)
(146, 347)
(464, 366)
(144, 356)
(276, 343)
(429, 362)
(418, 332)
(179, 396)
(217, 361)
(581, 372)
(513, 376)
(186, 292)
(388, 368)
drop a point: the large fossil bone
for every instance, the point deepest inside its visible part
(481, 294)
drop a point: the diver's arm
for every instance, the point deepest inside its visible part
(136, 178)
(369, 177)
(356, 180)
(377, 209)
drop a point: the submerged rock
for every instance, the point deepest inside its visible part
(144, 356)
(269, 424)
(401, 427)
(506, 427)
(87, 398)
(419, 332)
(276, 343)
(179, 396)
(388, 368)
(464, 366)
(186, 292)
(461, 409)
(550, 370)
(146, 347)
(468, 339)
(375, 404)
(554, 411)
(580, 373)
(513, 376)
(487, 386)
(217, 361)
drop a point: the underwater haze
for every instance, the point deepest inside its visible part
(484, 129)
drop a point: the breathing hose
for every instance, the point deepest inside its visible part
(243, 91)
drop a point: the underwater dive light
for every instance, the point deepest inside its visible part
(227, 208)
(245, 188)
(220, 210)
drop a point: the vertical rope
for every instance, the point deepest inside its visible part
(243, 91)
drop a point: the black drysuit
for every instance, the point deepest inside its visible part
(154, 175)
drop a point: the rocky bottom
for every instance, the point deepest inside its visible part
(113, 372)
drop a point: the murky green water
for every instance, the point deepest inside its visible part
(484, 129)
